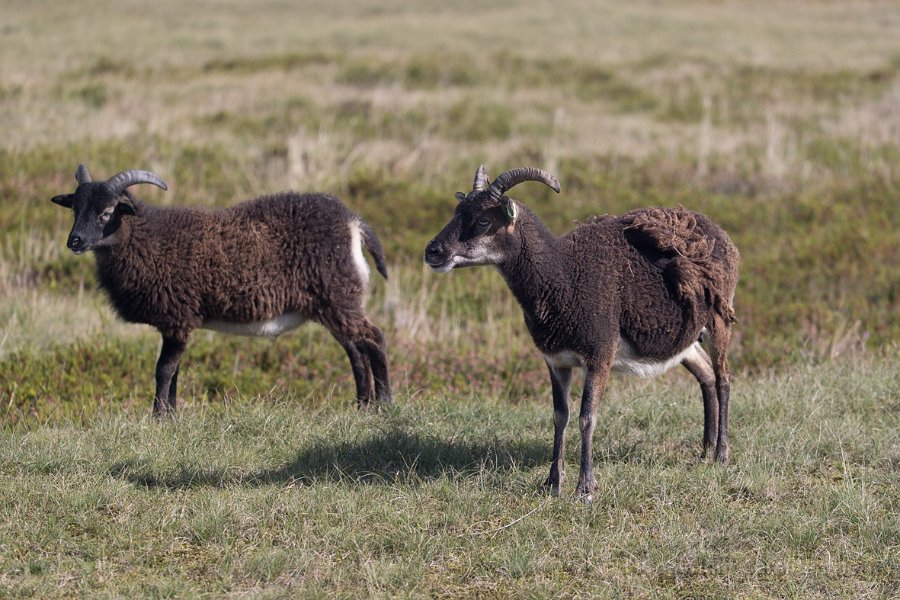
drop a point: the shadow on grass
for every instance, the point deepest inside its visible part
(388, 457)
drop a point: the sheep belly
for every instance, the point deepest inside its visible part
(271, 328)
(627, 360)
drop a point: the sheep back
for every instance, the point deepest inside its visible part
(176, 268)
(697, 258)
(693, 258)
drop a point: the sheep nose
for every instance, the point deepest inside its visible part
(75, 243)
(434, 252)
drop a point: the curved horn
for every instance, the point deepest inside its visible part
(514, 177)
(82, 175)
(481, 182)
(126, 179)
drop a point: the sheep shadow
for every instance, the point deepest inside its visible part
(390, 456)
(403, 455)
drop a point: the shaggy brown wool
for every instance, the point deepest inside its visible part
(635, 292)
(689, 241)
(258, 268)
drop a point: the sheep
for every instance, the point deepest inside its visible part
(633, 293)
(258, 268)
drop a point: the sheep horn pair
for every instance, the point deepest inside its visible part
(512, 178)
(125, 179)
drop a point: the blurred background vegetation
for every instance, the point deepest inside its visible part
(779, 120)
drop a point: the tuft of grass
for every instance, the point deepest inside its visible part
(254, 64)
(94, 95)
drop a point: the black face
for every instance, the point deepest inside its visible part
(483, 228)
(478, 234)
(98, 212)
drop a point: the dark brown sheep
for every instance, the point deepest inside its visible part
(259, 268)
(633, 293)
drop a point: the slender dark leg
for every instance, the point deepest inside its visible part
(719, 338)
(700, 366)
(722, 450)
(376, 351)
(166, 368)
(172, 387)
(365, 347)
(595, 378)
(361, 373)
(561, 382)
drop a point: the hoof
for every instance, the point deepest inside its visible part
(371, 406)
(722, 456)
(550, 488)
(160, 414)
(585, 491)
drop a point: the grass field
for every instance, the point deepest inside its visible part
(779, 120)
(278, 497)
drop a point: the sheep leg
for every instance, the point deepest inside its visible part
(595, 379)
(560, 382)
(365, 346)
(166, 368)
(719, 338)
(361, 373)
(376, 351)
(700, 366)
(172, 387)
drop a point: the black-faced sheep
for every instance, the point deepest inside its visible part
(633, 293)
(259, 268)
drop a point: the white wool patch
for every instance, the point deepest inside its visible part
(356, 251)
(271, 328)
(627, 360)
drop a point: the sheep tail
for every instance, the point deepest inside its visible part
(373, 245)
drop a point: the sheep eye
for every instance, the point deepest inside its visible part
(484, 223)
(104, 217)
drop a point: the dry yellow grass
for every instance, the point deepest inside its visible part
(147, 71)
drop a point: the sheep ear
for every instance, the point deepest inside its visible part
(126, 205)
(460, 196)
(63, 200)
(509, 207)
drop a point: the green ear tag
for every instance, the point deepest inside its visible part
(511, 211)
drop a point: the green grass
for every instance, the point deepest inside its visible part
(273, 495)
(785, 130)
